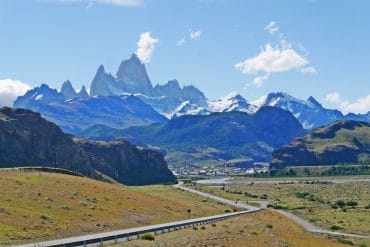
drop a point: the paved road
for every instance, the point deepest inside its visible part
(241, 205)
(100, 238)
(302, 222)
(308, 226)
(283, 180)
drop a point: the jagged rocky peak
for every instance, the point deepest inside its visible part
(314, 102)
(83, 93)
(133, 72)
(100, 83)
(68, 91)
(43, 93)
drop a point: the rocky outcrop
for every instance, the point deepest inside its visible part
(338, 142)
(120, 161)
(26, 139)
(68, 91)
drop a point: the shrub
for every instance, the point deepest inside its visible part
(344, 241)
(44, 217)
(269, 226)
(334, 227)
(203, 227)
(147, 236)
(351, 203)
(340, 203)
(254, 233)
(302, 194)
(195, 228)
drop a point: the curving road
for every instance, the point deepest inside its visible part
(236, 204)
(308, 226)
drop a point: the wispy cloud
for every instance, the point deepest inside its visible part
(181, 41)
(10, 89)
(309, 70)
(195, 34)
(191, 35)
(278, 58)
(145, 47)
(120, 3)
(361, 105)
(272, 27)
(258, 81)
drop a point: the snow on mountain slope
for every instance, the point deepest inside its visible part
(232, 102)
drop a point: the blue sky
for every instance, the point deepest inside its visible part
(302, 47)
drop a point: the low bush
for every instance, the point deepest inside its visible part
(147, 236)
(344, 241)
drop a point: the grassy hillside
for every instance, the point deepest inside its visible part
(338, 142)
(39, 206)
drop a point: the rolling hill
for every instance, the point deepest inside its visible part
(338, 142)
(230, 135)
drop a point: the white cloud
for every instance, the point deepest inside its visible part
(275, 59)
(309, 70)
(333, 97)
(258, 81)
(10, 90)
(145, 47)
(195, 34)
(361, 105)
(180, 42)
(121, 3)
(272, 28)
(272, 60)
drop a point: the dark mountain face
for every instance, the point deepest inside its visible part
(26, 139)
(120, 161)
(231, 134)
(338, 142)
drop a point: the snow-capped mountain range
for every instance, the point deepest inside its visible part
(169, 100)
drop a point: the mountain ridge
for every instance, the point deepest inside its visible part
(27, 139)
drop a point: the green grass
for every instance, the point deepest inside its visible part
(313, 202)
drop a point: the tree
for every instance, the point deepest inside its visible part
(189, 211)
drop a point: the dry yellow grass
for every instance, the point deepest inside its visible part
(40, 206)
(248, 230)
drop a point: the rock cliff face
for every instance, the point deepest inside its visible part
(132, 78)
(338, 142)
(125, 163)
(26, 139)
